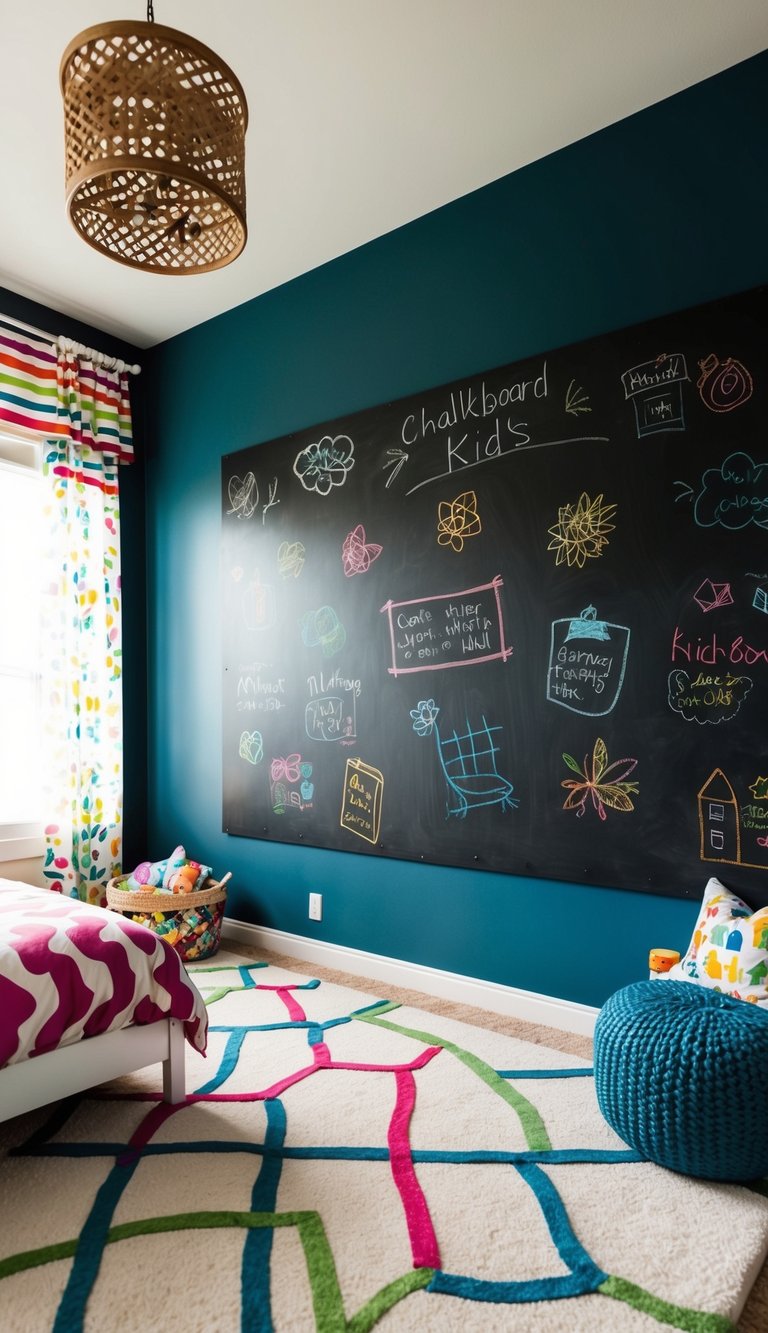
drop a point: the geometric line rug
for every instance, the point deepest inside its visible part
(343, 1162)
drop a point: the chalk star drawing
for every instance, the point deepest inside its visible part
(759, 789)
(581, 530)
(357, 556)
(290, 559)
(605, 783)
(576, 399)
(458, 519)
(711, 596)
(251, 747)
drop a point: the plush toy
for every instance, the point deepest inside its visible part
(184, 878)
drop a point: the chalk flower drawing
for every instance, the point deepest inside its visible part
(290, 559)
(357, 556)
(605, 783)
(325, 464)
(458, 519)
(251, 747)
(581, 530)
(759, 789)
(424, 717)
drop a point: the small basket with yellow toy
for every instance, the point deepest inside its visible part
(178, 899)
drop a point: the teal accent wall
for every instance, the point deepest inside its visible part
(134, 569)
(659, 212)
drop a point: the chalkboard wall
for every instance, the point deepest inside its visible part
(518, 622)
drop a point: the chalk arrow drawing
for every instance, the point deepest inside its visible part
(397, 457)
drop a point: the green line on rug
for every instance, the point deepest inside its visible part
(370, 1313)
(691, 1321)
(535, 1131)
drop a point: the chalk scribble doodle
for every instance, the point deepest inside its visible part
(458, 519)
(581, 531)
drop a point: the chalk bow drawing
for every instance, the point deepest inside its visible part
(605, 783)
(458, 519)
(322, 628)
(323, 465)
(290, 559)
(357, 556)
(251, 747)
(711, 596)
(723, 385)
(581, 530)
(468, 763)
(243, 495)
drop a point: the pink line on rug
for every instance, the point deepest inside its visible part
(424, 1247)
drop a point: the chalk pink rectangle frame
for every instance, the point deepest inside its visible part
(501, 656)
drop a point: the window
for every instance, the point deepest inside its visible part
(21, 522)
(716, 811)
(717, 840)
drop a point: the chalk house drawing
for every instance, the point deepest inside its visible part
(731, 832)
(468, 763)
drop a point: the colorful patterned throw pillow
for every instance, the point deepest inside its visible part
(729, 948)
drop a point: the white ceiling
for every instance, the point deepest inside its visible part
(364, 114)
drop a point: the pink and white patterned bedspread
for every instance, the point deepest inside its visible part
(69, 970)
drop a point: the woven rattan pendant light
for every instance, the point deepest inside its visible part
(155, 147)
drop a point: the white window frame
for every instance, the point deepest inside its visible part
(21, 841)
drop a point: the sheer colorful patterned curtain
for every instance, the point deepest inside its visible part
(81, 673)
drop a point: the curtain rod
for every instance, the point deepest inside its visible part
(67, 345)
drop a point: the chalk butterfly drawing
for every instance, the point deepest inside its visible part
(605, 783)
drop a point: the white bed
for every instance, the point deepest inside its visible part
(86, 995)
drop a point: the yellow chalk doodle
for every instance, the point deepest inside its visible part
(581, 530)
(458, 519)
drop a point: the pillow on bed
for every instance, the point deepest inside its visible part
(729, 948)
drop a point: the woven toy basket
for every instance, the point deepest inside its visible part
(190, 922)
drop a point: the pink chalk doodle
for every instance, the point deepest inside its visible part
(357, 556)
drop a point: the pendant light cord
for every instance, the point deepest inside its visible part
(150, 12)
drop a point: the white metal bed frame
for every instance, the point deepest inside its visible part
(92, 1060)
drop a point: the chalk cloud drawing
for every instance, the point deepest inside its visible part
(581, 531)
(733, 495)
(711, 596)
(322, 628)
(723, 385)
(357, 555)
(606, 784)
(458, 519)
(251, 747)
(706, 698)
(655, 390)
(468, 763)
(325, 464)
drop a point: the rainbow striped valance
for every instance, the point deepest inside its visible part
(55, 394)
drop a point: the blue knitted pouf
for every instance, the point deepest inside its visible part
(680, 1074)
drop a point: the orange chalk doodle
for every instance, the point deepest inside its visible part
(605, 783)
(723, 385)
(457, 520)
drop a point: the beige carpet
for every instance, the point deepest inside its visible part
(465, 1148)
(754, 1317)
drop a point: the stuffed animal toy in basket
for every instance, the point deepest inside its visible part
(178, 899)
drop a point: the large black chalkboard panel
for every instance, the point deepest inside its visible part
(518, 622)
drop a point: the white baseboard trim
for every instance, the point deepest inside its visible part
(567, 1015)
